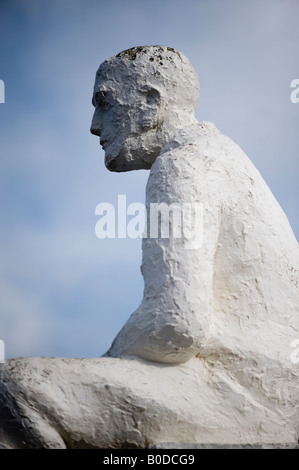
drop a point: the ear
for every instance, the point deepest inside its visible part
(152, 95)
(152, 113)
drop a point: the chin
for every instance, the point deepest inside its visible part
(125, 161)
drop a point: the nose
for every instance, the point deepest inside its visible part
(96, 124)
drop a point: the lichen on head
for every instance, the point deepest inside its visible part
(132, 52)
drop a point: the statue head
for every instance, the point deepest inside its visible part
(142, 97)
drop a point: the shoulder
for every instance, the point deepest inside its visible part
(202, 147)
(202, 137)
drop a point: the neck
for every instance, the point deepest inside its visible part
(178, 133)
(183, 121)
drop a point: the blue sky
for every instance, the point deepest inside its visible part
(64, 292)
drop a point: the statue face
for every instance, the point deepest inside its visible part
(128, 119)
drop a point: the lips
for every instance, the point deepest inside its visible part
(103, 142)
(107, 142)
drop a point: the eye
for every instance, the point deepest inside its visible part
(100, 99)
(100, 95)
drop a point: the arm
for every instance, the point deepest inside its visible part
(172, 322)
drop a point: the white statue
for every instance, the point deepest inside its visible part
(238, 290)
(206, 357)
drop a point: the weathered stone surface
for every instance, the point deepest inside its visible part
(206, 357)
